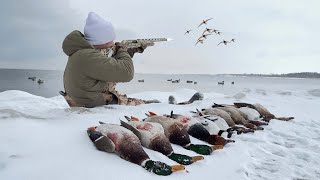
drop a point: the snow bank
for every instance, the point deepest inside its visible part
(42, 138)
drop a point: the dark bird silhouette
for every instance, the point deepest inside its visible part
(232, 40)
(215, 31)
(32, 78)
(218, 32)
(207, 30)
(188, 31)
(40, 81)
(204, 36)
(199, 41)
(224, 42)
(205, 21)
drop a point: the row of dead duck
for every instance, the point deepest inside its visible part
(215, 126)
(40, 81)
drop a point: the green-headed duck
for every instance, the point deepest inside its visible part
(197, 130)
(178, 134)
(152, 136)
(114, 138)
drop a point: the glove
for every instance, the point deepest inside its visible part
(143, 46)
(117, 46)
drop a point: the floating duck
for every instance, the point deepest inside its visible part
(32, 78)
(221, 83)
(114, 138)
(176, 81)
(141, 80)
(40, 81)
(178, 134)
(169, 80)
(264, 113)
(189, 81)
(195, 83)
(214, 124)
(197, 130)
(152, 136)
(232, 82)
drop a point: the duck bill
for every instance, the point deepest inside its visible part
(216, 147)
(176, 168)
(152, 113)
(92, 128)
(197, 158)
(134, 118)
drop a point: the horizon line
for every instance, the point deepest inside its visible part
(174, 73)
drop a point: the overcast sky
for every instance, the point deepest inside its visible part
(271, 36)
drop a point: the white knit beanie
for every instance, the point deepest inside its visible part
(98, 31)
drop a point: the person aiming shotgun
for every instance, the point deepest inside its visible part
(96, 64)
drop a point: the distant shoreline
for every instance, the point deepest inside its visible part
(309, 75)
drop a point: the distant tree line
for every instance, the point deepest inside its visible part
(289, 75)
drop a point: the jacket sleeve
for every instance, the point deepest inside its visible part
(109, 69)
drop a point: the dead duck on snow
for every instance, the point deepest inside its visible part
(152, 136)
(250, 115)
(235, 112)
(114, 138)
(214, 124)
(263, 111)
(237, 117)
(178, 134)
(196, 129)
(226, 116)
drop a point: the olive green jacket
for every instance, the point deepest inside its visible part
(88, 71)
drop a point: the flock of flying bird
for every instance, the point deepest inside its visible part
(208, 32)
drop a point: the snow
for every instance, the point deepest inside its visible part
(42, 138)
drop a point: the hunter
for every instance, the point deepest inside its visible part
(96, 64)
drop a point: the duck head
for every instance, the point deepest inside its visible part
(184, 159)
(203, 149)
(161, 168)
(218, 140)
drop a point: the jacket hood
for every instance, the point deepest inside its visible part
(75, 41)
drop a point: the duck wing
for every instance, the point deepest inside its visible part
(238, 105)
(131, 128)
